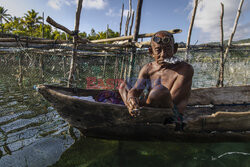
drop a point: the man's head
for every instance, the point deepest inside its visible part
(162, 46)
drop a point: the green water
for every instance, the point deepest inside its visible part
(33, 134)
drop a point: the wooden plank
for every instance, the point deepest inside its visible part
(217, 96)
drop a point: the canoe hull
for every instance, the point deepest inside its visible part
(109, 121)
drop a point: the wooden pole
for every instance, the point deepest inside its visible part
(43, 27)
(20, 76)
(127, 24)
(121, 19)
(190, 29)
(234, 30)
(75, 38)
(132, 22)
(221, 71)
(41, 65)
(174, 31)
(135, 37)
(105, 58)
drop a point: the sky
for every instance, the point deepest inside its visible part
(156, 15)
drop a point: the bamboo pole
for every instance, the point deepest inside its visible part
(135, 37)
(234, 30)
(174, 31)
(75, 38)
(121, 19)
(190, 29)
(221, 71)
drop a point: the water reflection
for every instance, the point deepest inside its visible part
(95, 152)
(29, 128)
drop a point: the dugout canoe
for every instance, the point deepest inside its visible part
(212, 115)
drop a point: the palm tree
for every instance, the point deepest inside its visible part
(31, 20)
(4, 16)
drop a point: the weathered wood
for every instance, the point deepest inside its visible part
(132, 22)
(110, 121)
(59, 26)
(127, 23)
(75, 38)
(217, 96)
(234, 30)
(221, 121)
(135, 37)
(221, 71)
(121, 19)
(138, 20)
(191, 28)
(20, 69)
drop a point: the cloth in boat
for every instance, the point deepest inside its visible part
(88, 98)
(107, 96)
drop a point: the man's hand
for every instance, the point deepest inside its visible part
(133, 106)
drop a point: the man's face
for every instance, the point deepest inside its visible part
(162, 47)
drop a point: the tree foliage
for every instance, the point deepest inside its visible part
(31, 25)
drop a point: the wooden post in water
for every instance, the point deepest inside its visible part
(20, 70)
(135, 37)
(190, 30)
(75, 38)
(105, 57)
(234, 30)
(121, 19)
(41, 65)
(221, 71)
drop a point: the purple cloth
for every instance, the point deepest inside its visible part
(109, 97)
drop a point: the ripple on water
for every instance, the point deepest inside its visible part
(13, 116)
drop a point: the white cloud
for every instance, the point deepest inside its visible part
(112, 13)
(89, 4)
(94, 4)
(57, 4)
(208, 19)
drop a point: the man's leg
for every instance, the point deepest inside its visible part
(160, 97)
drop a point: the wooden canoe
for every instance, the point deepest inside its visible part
(212, 115)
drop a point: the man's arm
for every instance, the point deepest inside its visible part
(181, 90)
(135, 92)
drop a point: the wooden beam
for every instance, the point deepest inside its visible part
(174, 31)
(59, 26)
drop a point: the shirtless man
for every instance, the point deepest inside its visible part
(169, 78)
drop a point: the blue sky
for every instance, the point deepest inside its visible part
(156, 15)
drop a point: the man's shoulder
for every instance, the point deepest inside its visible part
(185, 65)
(147, 66)
(186, 68)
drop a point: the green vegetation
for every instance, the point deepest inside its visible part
(31, 25)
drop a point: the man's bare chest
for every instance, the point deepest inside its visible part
(165, 77)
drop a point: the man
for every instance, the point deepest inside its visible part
(169, 79)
